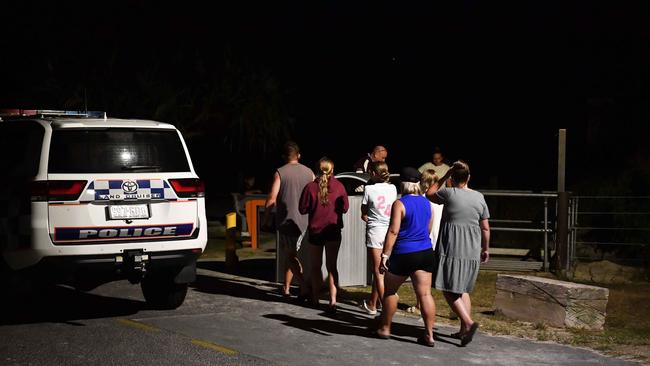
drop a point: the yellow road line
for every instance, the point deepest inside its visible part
(214, 347)
(137, 325)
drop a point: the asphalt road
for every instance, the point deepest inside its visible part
(231, 320)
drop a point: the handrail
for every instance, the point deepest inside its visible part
(615, 197)
(525, 230)
(512, 221)
(518, 194)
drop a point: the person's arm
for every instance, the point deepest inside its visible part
(433, 215)
(305, 203)
(364, 206)
(431, 192)
(485, 240)
(271, 198)
(346, 202)
(397, 213)
(364, 213)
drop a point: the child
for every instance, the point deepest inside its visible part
(376, 205)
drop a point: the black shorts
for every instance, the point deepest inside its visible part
(407, 263)
(290, 237)
(329, 234)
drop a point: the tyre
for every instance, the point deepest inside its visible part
(162, 293)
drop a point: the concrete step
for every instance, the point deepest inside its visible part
(512, 265)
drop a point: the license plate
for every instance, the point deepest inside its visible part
(123, 212)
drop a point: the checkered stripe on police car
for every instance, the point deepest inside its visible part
(104, 190)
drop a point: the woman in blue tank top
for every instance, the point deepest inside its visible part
(408, 246)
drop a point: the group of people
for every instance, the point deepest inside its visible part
(437, 233)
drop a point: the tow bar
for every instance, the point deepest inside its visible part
(134, 264)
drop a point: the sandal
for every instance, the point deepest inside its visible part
(285, 295)
(424, 340)
(382, 336)
(467, 337)
(368, 310)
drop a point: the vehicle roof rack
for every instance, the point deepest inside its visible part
(43, 113)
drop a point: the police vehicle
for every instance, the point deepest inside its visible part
(86, 199)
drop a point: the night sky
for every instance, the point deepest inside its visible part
(488, 83)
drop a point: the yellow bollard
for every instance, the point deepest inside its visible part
(231, 250)
(231, 220)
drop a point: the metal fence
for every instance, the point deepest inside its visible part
(610, 227)
(525, 217)
(524, 232)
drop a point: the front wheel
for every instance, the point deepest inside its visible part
(162, 293)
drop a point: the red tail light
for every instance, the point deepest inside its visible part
(57, 190)
(189, 187)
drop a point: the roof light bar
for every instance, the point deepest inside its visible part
(7, 113)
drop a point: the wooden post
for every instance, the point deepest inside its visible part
(232, 261)
(561, 160)
(562, 254)
(562, 262)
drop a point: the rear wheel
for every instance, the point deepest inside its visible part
(161, 292)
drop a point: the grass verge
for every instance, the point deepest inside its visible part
(626, 333)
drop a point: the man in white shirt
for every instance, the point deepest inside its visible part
(437, 164)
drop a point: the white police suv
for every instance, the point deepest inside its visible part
(86, 199)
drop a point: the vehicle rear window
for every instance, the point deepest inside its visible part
(116, 150)
(20, 148)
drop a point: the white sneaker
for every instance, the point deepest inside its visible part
(413, 310)
(367, 309)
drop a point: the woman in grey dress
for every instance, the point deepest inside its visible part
(463, 243)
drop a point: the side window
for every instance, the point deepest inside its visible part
(20, 148)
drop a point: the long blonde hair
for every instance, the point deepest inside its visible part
(326, 169)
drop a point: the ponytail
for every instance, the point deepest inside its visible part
(380, 169)
(326, 168)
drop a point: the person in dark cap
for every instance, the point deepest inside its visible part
(408, 252)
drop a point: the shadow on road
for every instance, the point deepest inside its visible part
(58, 304)
(240, 287)
(346, 321)
(257, 268)
(261, 269)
